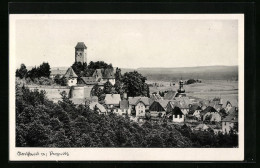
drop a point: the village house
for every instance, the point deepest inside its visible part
(95, 106)
(71, 77)
(139, 105)
(210, 114)
(104, 75)
(112, 101)
(201, 127)
(195, 110)
(177, 115)
(230, 122)
(158, 108)
(124, 108)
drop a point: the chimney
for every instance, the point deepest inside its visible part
(125, 96)
(220, 102)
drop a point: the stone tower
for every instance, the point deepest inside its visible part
(81, 52)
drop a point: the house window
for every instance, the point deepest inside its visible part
(175, 116)
(71, 81)
(180, 116)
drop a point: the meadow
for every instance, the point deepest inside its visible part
(207, 89)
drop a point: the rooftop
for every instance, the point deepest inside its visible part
(81, 45)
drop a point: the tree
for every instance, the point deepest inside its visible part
(148, 115)
(96, 91)
(191, 81)
(99, 65)
(118, 75)
(21, 73)
(44, 70)
(118, 87)
(33, 73)
(60, 81)
(108, 87)
(80, 68)
(134, 84)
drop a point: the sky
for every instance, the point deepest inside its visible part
(128, 43)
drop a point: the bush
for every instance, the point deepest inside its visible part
(191, 81)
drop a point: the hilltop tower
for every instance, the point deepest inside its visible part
(81, 52)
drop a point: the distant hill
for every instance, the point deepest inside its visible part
(174, 74)
(207, 72)
(203, 72)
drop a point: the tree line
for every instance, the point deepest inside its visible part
(36, 72)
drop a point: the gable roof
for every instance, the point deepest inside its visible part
(201, 127)
(233, 102)
(88, 80)
(101, 108)
(233, 110)
(108, 74)
(177, 111)
(58, 72)
(155, 97)
(163, 103)
(208, 109)
(81, 45)
(194, 107)
(186, 100)
(230, 118)
(156, 106)
(112, 99)
(70, 73)
(134, 100)
(170, 95)
(212, 116)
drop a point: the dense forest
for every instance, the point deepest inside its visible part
(42, 123)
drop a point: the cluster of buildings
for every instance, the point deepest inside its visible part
(175, 105)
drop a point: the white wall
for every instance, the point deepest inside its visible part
(140, 109)
(72, 82)
(226, 126)
(112, 81)
(178, 119)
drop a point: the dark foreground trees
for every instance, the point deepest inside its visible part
(42, 123)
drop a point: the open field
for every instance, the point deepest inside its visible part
(208, 89)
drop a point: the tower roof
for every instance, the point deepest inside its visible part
(81, 45)
(70, 73)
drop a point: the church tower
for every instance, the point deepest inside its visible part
(81, 52)
(181, 90)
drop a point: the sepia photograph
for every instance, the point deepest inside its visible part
(126, 87)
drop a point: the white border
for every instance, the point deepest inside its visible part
(128, 154)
